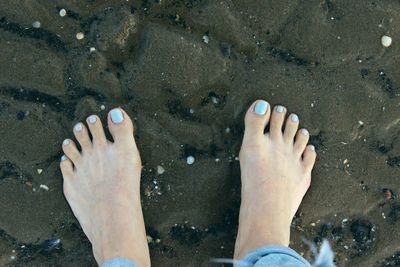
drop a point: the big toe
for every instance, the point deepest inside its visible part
(257, 117)
(120, 126)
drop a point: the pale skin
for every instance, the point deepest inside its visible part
(102, 184)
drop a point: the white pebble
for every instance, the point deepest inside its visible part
(217, 160)
(36, 24)
(190, 160)
(12, 257)
(92, 49)
(102, 107)
(39, 171)
(386, 41)
(360, 122)
(206, 39)
(227, 130)
(80, 36)
(191, 111)
(63, 12)
(45, 187)
(160, 169)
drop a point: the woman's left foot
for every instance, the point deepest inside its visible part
(102, 186)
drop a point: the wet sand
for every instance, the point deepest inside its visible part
(186, 71)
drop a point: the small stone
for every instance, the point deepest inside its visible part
(217, 160)
(361, 122)
(149, 239)
(205, 38)
(102, 107)
(92, 49)
(191, 111)
(39, 171)
(312, 224)
(386, 41)
(227, 130)
(63, 12)
(12, 257)
(160, 169)
(20, 115)
(80, 36)
(190, 160)
(157, 241)
(36, 24)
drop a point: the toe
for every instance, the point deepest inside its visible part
(256, 119)
(309, 156)
(292, 123)
(120, 126)
(301, 141)
(67, 168)
(82, 135)
(71, 151)
(96, 129)
(277, 118)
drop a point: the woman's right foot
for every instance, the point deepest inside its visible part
(275, 173)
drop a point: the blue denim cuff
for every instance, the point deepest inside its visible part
(119, 262)
(273, 255)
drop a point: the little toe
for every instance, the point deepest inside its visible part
(120, 126)
(67, 168)
(301, 141)
(257, 117)
(96, 129)
(82, 135)
(292, 123)
(71, 151)
(309, 156)
(277, 118)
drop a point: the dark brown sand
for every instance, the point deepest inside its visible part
(321, 59)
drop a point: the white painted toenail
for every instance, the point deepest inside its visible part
(66, 142)
(312, 148)
(63, 158)
(304, 132)
(92, 119)
(295, 118)
(261, 108)
(116, 116)
(78, 128)
(279, 109)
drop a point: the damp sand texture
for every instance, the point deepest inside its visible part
(186, 71)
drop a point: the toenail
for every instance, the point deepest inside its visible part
(304, 132)
(312, 148)
(116, 116)
(279, 108)
(92, 119)
(295, 118)
(63, 158)
(78, 128)
(66, 142)
(261, 108)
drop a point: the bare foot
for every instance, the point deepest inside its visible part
(102, 186)
(276, 173)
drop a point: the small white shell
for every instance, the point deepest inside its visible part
(63, 12)
(190, 160)
(36, 24)
(45, 187)
(386, 41)
(160, 169)
(80, 36)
